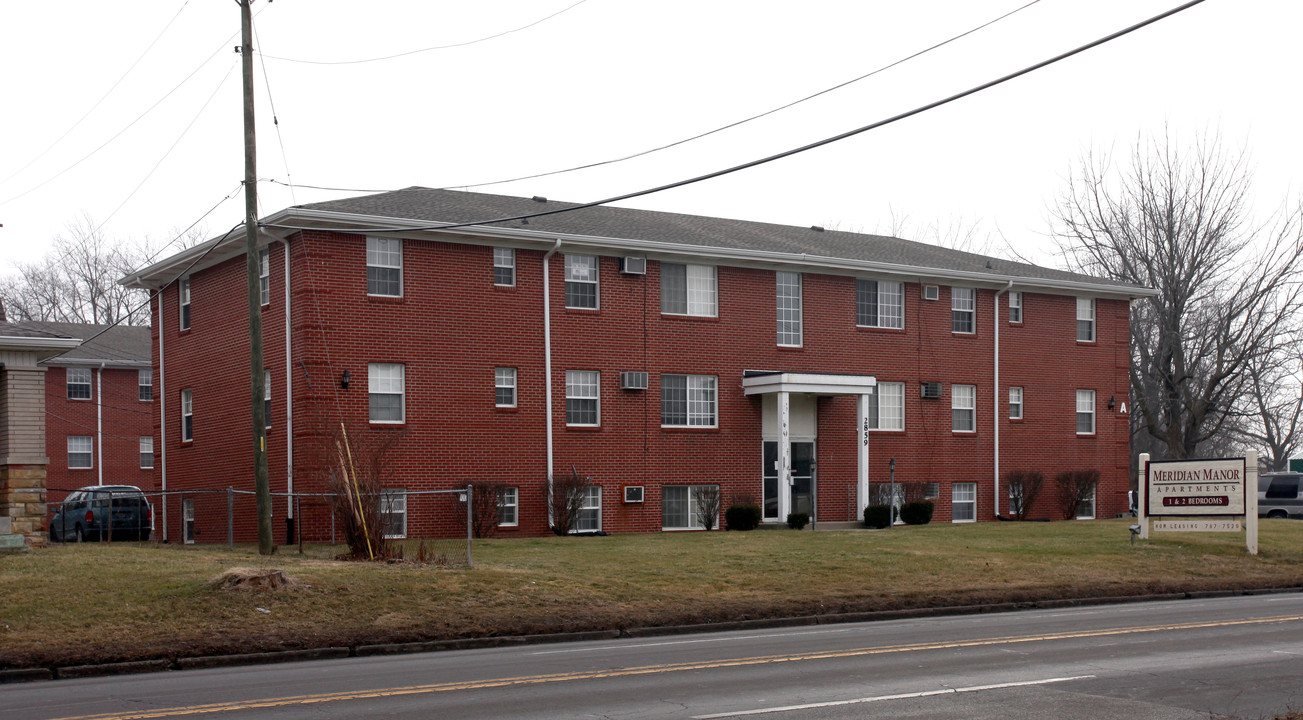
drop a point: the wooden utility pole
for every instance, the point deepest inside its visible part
(260, 484)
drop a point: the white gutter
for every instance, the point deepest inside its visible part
(995, 402)
(162, 411)
(99, 421)
(289, 392)
(547, 371)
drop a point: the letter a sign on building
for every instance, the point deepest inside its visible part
(1201, 496)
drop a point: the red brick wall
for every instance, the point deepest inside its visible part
(125, 420)
(452, 327)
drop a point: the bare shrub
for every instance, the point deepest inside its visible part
(486, 503)
(356, 482)
(1024, 487)
(565, 496)
(707, 499)
(1075, 486)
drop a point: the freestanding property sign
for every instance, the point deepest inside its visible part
(1210, 495)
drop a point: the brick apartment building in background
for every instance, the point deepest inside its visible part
(99, 409)
(789, 365)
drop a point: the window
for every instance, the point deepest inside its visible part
(688, 401)
(504, 387)
(1085, 412)
(393, 513)
(581, 281)
(1015, 306)
(508, 506)
(1085, 319)
(264, 276)
(590, 514)
(879, 304)
(80, 453)
(688, 290)
(187, 416)
(385, 383)
(266, 398)
(583, 406)
(384, 267)
(1086, 508)
(789, 309)
(931, 491)
(504, 266)
(145, 382)
(79, 383)
(679, 506)
(184, 289)
(1015, 403)
(1283, 487)
(963, 304)
(887, 407)
(963, 408)
(963, 502)
(146, 452)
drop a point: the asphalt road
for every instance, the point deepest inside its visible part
(1238, 657)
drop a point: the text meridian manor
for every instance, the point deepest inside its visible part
(1196, 476)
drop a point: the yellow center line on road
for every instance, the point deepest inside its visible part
(655, 669)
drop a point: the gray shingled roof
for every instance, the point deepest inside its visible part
(25, 330)
(444, 206)
(120, 344)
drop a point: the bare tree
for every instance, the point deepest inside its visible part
(707, 500)
(1179, 222)
(1273, 402)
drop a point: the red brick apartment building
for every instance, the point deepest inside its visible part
(649, 351)
(99, 409)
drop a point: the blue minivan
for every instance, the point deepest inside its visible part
(103, 512)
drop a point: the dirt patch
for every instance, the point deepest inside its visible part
(239, 578)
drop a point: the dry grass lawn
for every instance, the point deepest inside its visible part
(98, 603)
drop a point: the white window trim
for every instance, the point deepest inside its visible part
(373, 381)
(971, 408)
(402, 279)
(597, 390)
(183, 290)
(689, 309)
(1093, 510)
(693, 521)
(498, 383)
(187, 413)
(89, 452)
(152, 458)
(89, 383)
(1088, 304)
(1015, 295)
(954, 502)
(141, 375)
(957, 306)
(596, 282)
(790, 279)
(1088, 395)
(713, 382)
(878, 320)
(877, 401)
(266, 398)
(264, 276)
(504, 258)
(390, 498)
(510, 498)
(588, 493)
(1018, 404)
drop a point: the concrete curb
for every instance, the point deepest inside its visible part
(18, 675)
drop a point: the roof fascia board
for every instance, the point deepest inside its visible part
(745, 258)
(89, 362)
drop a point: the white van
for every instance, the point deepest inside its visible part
(1278, 495)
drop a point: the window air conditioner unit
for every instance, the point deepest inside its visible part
(930, 390)
(931, 292)
(633, 380)
(633, 265)
(633, 493)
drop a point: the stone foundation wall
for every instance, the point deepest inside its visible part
(22, 500)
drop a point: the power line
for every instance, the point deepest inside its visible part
(275, 120)
(102, 97)
(708, 133)
(428, 49)
(787, 153)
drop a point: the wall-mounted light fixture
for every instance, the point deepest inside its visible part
(1112, 401)
(343, 381)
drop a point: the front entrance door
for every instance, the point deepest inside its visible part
(802, 479)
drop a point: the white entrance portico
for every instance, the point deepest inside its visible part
(783, 385)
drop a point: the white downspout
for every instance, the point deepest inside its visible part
(995, 403)
(99, 421)
(162, 410)
(289, 393)
(547, 371)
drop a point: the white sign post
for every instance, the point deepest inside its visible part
(1213, 495)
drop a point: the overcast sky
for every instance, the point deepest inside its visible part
(602, 79)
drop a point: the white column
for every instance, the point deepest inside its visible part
(862, 459)
(1251, 502)
(784, 456)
